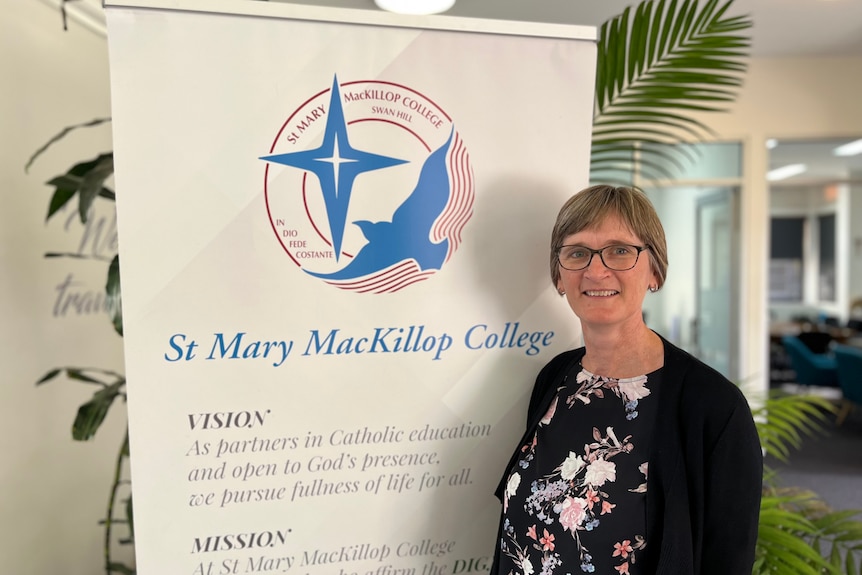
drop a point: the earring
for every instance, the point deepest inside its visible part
(653, 289)
(562, 292)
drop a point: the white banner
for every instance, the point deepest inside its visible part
(334, 255)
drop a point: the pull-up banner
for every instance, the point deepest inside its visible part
(333, 231)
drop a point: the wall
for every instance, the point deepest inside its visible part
(54, 489)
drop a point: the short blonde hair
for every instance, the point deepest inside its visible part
(589, 207)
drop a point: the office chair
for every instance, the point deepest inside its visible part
(811, 368)
(849, 361)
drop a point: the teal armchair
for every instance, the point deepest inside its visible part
(811, 368)
(849, 362)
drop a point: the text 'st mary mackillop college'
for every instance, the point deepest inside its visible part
(333, 231)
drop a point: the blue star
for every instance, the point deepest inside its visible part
(336, 164)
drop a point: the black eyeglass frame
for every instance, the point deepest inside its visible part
(601, 257)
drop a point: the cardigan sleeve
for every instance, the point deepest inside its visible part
(733, 486)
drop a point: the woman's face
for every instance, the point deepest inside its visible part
(600, 296)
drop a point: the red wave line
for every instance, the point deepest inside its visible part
(442, 226)
(392, 280)
(459, 208)
(367, 280)
(417, 276)
(375, 282)
(414, 280)
(393, 283)
(466, 212)
(454, 198)
(393, 277)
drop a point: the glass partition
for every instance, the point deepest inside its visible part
(698, 307)
(815, 192)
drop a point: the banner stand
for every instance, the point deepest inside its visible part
(333, 229)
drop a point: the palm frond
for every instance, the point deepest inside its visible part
(784, 419)
(658, 66)
(797, 531)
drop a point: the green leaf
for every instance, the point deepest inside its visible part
(673, 58)
(79, 375)
(49, 376)
(59, 199)
(92, 183)
(85, 179)
(114, 295)
(86, 375)
(92, 413)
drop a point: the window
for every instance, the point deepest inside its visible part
(786, 260)
(826, 269)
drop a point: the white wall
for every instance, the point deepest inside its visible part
(54, 490)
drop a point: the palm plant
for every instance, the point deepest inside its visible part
(799, 533)
(659, 66)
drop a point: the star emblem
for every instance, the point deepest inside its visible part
(336, 164)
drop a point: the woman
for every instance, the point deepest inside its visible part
(638, 459)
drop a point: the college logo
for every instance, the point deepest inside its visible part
(368, 186)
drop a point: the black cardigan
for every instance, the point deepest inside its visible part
(705, 468)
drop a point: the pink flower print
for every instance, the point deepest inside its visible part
(572, 514)
(547, 541)
(600, 471)
(592, 497)
(623, 569)
(634, 388)
(531, 533)
(607, 506)
(549, 414)
(622, 550)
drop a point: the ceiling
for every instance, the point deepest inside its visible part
(781, 27)
(822, 165)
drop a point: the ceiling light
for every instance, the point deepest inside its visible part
(784, 172)
(771, 143)
(415, 6)
(850, 149)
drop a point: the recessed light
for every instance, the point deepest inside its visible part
(784, 172)
(415, 6)
(851, 149)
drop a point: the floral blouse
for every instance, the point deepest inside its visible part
(575, 501)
